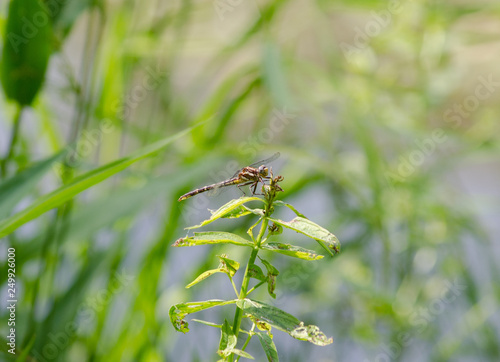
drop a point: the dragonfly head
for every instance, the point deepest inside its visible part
(263, 170)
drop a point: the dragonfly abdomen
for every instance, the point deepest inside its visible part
(232, 181)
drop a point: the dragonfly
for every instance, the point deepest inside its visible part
(250, 175)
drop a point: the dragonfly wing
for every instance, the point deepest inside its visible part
(259, 163)
(266, 161)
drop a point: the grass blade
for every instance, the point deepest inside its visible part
(85, 181)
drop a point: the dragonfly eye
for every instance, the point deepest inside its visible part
(263, 170)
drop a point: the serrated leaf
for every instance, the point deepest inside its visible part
(304, 226)
(268, 346)
(204, 276)
(254, 271)
(225, 210)
(212, 237)
(81, 183)
(311, 334)
(292, 250)
(178, 312)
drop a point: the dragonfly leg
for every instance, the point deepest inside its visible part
(255, 184)
(244, 184)
(255, 187)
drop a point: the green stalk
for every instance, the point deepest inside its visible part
(238, 315)
(13, 141)
(247, 341)
(246, 279)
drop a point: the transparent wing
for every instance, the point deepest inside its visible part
(259, 163)
(266, 161)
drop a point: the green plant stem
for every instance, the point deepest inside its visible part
(13, 140)
(238, 315)
(250, 335)
(234, 287)
(255, 287)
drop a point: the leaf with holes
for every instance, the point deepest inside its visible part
(178, 312)
(292, 250)
(212, 237)
(226, 209)
(304, 226)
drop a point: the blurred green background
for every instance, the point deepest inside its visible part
(386, 115)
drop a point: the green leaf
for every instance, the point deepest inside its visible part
(268, 346)
(229, 266)
(81, 183)
(241, 353)
(212, 237)
(66, 307)
(205, 275)
(291, 207)
(24, 355)
(292, 250)
(240, 211)
(236, 213)
(226, 266)
(271, 270)
(314, 231)
(275, 229)
(272, 273)
(15, 188)
(124, 202)
(210, 324)
(270, 314)
(26, 51)
(227, 339)
(67, 13)
(226, 209)
(254, 271)
(263, 326)
(274, 75)
(311, 334)
(178, 312)
(283, 321)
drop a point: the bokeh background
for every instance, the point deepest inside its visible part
(386, 115)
